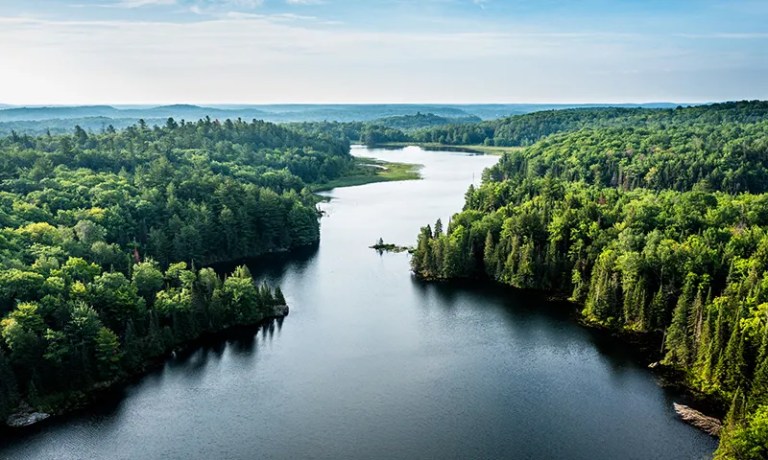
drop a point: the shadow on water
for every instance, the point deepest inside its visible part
(519, 305)
(273, 265)
(192, 361)
(528, 312)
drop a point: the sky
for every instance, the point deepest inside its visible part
(381, 51)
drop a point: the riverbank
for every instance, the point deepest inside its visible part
(647, 347)
(35, 413)
(644, 347)
(474, 148)
(54, 407)
(370, 171)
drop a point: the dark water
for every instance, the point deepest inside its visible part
(373, 364)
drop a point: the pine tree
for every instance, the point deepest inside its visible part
(696, 318)
(732, 364)
(677, 341)
(279, 298)
(438, 228)
(108, 354)
(758, 394)
(489, 256)
(731, 425)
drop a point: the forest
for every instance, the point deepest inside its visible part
(654, 222)
(107, 239)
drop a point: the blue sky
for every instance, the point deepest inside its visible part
(270, 51)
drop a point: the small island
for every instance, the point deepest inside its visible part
(382, 247)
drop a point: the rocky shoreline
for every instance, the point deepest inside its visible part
(25, 416)
(709, 425)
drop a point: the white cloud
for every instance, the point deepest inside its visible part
(197, 6)
(289, 58)
(244, 3)
(304, 2)
(140, 3)
(728, 35)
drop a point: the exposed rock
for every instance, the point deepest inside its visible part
(280, 310)
(709, 425)
(25, 416)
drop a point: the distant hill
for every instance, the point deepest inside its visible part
(423, 120)
(493, 111)
(57, 119)
(277, 113)
(66, 125)
(189, 112)
(526, 129)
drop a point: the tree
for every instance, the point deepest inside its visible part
(677, 338)
(9, 395)
(241, 297)
(108, 355)
(148, 279)
(279, 298)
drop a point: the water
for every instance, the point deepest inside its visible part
(374, 364)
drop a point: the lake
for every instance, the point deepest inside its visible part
(372, 363)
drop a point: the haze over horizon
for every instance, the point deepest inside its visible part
(227, 105)
(215, 52)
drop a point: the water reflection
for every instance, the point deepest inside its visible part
(274, 265)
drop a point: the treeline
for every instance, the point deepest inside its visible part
(399, 128)
(77, 327)
(649, 229)
(527, 129)
(101, 233)
(422, 120)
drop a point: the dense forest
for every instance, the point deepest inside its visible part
(388, 129)
(653, 222)
(524, 130)
(527, 129)
(61, 119)
(105, 238)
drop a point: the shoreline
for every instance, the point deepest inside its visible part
(82, 400)
(102, 391)
(643, 347)
(384, 171)
(477, 149)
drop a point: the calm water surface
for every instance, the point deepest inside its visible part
(373, 364)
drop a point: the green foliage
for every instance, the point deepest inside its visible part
(654, 226)
(422, 120)
(108, 354)
(147, 278)
(524, 130)
(96, 232)
(8, 387)
(748, 441)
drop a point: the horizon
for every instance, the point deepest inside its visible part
(118, 105)
(128, 52)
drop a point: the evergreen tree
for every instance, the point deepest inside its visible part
(677, 341)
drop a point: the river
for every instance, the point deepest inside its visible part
(372, 363)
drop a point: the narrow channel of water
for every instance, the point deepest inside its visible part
(374, 364)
